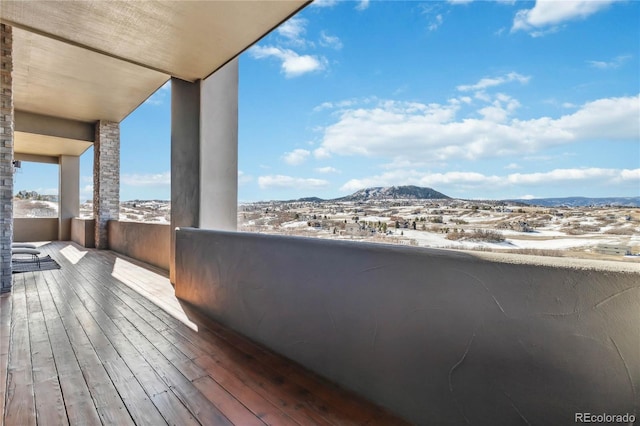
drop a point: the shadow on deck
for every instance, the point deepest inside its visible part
(104, 340)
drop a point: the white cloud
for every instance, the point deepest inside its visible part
(512, 166)
(342, 104)
(296, 157)
(527, 197)
(327, 169)
(321, 153)
(324, 3)
(546, 15)
(500, 109)
(616, 62)
(362, 5)
(459, 1)
(432, 132)
(289, 182)
(487, 82)
(293, 29)
(630, 175)
(480, 182)
(293, 64)
(330, 41)
(148, 179)
(435, 23)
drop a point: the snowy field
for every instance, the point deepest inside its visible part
(455, 224)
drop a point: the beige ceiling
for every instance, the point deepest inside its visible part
(99, 60)
(33, 144)
(58, 79)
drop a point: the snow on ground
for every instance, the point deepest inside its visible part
(430, 239)
(554, 244)
(295, 224)
(537, 234)
(545, 242)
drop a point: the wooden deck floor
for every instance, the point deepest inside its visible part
(104, 341)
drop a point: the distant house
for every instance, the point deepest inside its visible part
(613, 249)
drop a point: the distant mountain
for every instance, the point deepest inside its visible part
(394, 192)
(583, 202)
(310, 200)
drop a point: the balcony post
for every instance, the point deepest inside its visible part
(106, 179)
(219, 150)
(185, 159)
(69, 194)
(6, 155)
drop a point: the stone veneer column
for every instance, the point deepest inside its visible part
(106, 179)
(6, 156)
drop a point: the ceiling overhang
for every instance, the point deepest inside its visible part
(50, 146)
(99, 60)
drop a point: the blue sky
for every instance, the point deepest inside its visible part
(475, 99)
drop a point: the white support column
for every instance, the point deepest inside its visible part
(219, 149)
(69, 193)
(6, 156)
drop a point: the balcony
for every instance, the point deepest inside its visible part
(104, 340)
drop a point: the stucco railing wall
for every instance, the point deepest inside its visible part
(439, 337)
(147, 242)
(35, 229)
(83, 232)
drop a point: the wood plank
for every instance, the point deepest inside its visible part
(77, 397)
(5, 338)
(169, 406)
(20, 400)
(138, 403)
(106, 399)
(50, 409)
(235, 411)
(202, 409)
(262, 407)
(276, 390)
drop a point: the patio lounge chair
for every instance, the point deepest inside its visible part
(23, 245)
(35, 254)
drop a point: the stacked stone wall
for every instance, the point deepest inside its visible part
(6, 156)
(106, 179)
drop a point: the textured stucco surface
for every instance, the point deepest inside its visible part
(219, 149)
(69, 190)
(82, 232)
(438, 337)
(185, 158)
(35, 229)
(147, 242)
